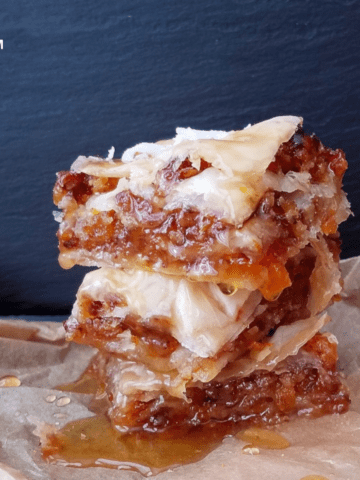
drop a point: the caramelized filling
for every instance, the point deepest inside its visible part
(289, 306)
(150, 341)
(97, 328)
(81, 186)
(307, 154)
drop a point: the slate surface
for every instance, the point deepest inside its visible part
(79, 77)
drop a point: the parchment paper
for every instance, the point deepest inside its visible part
(38, 355)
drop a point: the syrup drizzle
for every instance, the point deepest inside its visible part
(87, 383)
(10, 381)
(314, 477)
(261, 438)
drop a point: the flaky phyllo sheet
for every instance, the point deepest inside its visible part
(219, 253)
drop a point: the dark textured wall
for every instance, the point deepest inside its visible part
(79, 77)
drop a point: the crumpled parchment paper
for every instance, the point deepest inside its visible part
(37, 354)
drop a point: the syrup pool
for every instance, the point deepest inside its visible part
(95, 442)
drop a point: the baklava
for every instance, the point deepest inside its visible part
(218, 255)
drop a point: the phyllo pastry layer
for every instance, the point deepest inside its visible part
(224, 207)
(306, 384)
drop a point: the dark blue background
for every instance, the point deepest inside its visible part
(79, 77)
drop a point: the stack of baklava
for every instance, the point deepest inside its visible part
(218, 255)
